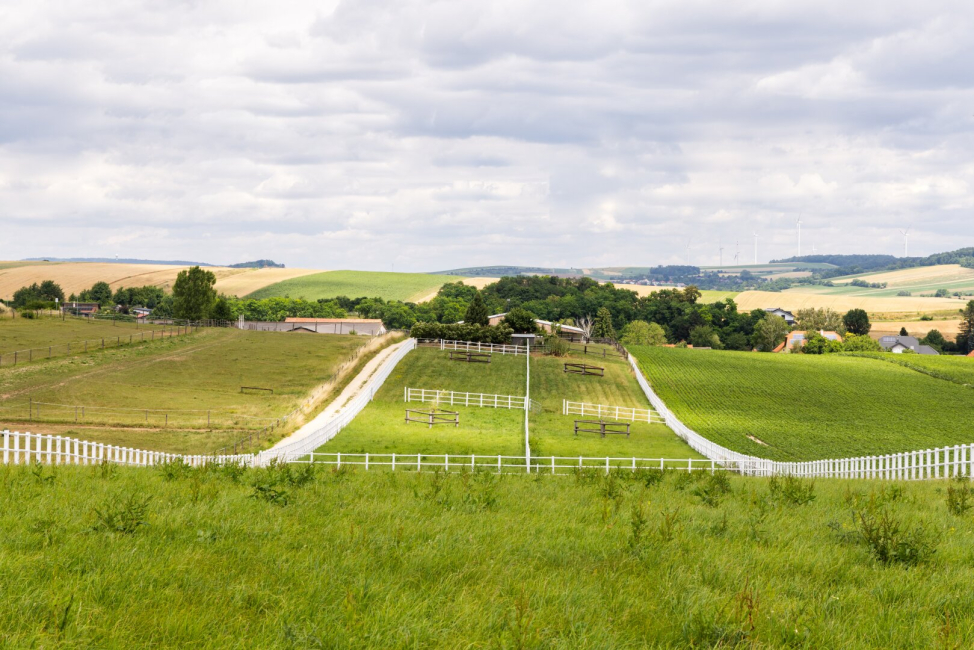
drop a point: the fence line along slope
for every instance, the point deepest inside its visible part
(355, 284)
(796, 407)
(180, 395)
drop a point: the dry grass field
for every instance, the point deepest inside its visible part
(480, 283)
(919, 275)
(919, 328)
(792, 301)
(76, 276)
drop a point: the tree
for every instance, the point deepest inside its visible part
(702, 336)
(639, 332)
(818, 344)
(193, 294)
(903, 332)
(820, 319)
(50, 290)
(99, 293)
(221, 309)
(769, 333)
(396, 316)
(935, 340)
(857, 322)
(602, 327)
(736, 341)
(966, 337)
(861, 343)
(477, 311)
(521, 321)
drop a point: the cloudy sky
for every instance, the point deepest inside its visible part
(439, 134)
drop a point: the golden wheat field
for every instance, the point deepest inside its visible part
(921, 275)
(77, 276)
(478, 282)
(919, 328)
(748, 300)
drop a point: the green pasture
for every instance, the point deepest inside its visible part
(104, 557)
(381, 427)
(797, 407)
(355, 284)
(156, 392)
(959, 370)
(40, 333)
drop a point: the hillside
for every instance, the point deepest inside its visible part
(797, 407)
(356, 284)
(77, 276)
(923, 280)
(795, 299)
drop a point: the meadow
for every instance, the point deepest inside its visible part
(797, 407)
(173, 394)
(381, 427)
(24, 333)
(959, 370)
(356, 284)
(296, 558)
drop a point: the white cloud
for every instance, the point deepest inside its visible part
(436, 135)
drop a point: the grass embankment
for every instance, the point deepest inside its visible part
(959, 370)
(201, 372)
(807, 407)
(381, 427)
(355, 284)
(96, 557)
(49, 331)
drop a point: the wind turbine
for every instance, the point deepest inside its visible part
(737, 251)
(799, 234)
(755, 246)
(688, 251)
(721, 252)
(906, 241)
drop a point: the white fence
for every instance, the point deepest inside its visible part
(494, 348)
(614, 412)
(456, 398)
(25, 448)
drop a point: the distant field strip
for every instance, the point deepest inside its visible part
(614, 412)
(356, 284)
(794, 300)
(454, 398)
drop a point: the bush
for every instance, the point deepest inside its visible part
(818, 344)
(891, 541)
(856, 321)
(863, 343)
(639, 332)
(959, 496)
(521, 321)
(462, 332)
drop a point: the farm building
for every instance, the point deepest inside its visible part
(141, 312)
(784, 313)
(797, 339)
(900, 344)
(366, 326)
(81, 308)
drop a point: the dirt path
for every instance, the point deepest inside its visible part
(351, 391)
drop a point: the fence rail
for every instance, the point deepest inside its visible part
(16, 357)
(603, 410)
(496, 348)
(455, 398)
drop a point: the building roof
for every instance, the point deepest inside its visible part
(363, 321)
(777, 309)
(548, 323)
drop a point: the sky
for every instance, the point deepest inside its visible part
(421, 135)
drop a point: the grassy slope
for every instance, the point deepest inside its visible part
(807, 408)
(380, 560)
(204, 370)
(23, 333)
(381, 428)
(955, 369)
(354, 284)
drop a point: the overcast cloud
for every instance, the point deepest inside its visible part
(429, 134)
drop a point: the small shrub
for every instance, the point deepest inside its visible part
(106, 470)
(270, 494)
(791, 489)
(652, 476)
(481, 491)
(889, 540)
(124, 516)
(685, 479)
(637, 526)
(37, 471)
(959, 496)
(669, 520)
(713, 489)
(233, 471)
(173, 469)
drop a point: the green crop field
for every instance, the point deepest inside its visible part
(381, 427)
(797, 407)
(203, 371)
(24, 333)
(356, 284)
(959, 370)
(709, 297)
(105, 557)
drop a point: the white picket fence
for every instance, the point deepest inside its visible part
(614, 412)
(457, 398)
(26, 448)
(494, 348)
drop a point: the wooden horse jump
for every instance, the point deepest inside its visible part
(470, 356)
(601, 427)
(584, 369)
(433, 416)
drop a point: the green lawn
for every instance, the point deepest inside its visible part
(201, 371)
(355, 284)
(381, 427)
(808, 407)
(40, 333)
(382, 560)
